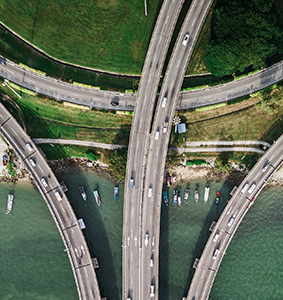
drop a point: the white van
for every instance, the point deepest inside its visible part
(164, 101)
(152, 290)
(58, 195)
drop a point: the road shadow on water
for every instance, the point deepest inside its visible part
(95, 232)
(164, 253)
(212, 215)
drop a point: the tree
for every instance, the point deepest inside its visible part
(244, 33)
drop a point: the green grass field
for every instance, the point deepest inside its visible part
(105, 34)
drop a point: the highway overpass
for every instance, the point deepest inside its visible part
(58, 205)
(230, 219)
(159, 139)
(138, 146)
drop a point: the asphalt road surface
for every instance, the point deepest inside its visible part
(138, 146)
(102, 99)
(61, 211)
(159, 141)
(230, 219)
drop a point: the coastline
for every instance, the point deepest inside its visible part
(182, 173)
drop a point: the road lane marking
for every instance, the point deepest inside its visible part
(12, 129)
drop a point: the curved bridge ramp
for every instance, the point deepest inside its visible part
(230, 219)
(58, 204)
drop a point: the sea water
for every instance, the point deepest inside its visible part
(34, 264)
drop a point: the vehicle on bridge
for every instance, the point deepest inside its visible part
(164, 101)
(32, 162)
(151, 261)
(157, 134)
(44, 182)
(245, 187)
(265, 167)
(215, 254)
(131, 183)
(252, 187)
(146, 239)
(186, 38)
(231, 220)
(29, 146)
(150, 192)
(216, 236)
(58, 195)
(165, 127)
(152, 292)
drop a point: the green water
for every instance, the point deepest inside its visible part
(35, 266)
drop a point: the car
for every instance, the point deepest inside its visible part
(146, 239)
(58, 195)
(245, 187)
(216, 237)
(32, 162)
(2, 61)
(252, 187)
(215, 254)
(114, 103)
(151, 262)
(152, 291)
(231, 220)
(150, 192)
(165, 127)
(186, 38)
(157, 134)
(44, 182)
(131, 183)
(164, 101)
(29, 146)
(265, 167)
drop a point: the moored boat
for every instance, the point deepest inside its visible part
(206, 194)
(175, 198)
(216, 201)
(97, 198)
(186, 195)
(196, 195)
(83, 193)
(179, 198)
(165, 198)
(10, 203)
(116, 192)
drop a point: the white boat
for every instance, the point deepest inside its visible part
(83, 193)
(206, 194)
(10, 203)
(97, 197)
(179, 198)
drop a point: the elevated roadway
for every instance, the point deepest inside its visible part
(60, 209)
(159, 142)
(138, 146)
(64, 91)
(230, 220)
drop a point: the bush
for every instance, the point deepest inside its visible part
(91, 156)
(11, 169)
(117, 163)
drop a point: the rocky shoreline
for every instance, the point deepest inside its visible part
(182, 172)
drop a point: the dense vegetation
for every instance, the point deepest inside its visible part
(244, 34)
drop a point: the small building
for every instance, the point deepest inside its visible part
(182, 128)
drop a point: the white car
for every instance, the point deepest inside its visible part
(231, 220)
(186, 38)
(165, 126)
(215, 254)
(164, 101)
(151, 262)
(150, 192)
(216, 237)
(32, 162)
(245, 187)
(157, 134)
(146, 239)
(265, 167)
(252, 187)
(29, 146)
(44, 182)
(152, 291)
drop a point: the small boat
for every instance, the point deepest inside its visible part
(10, 203)
(206, 194)
(116, 191)
(165, 198)
(175, 198)
(196, 195)
(216, 201)
(186, 195)
(179, 198)
(83, 193)
(97, 198)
